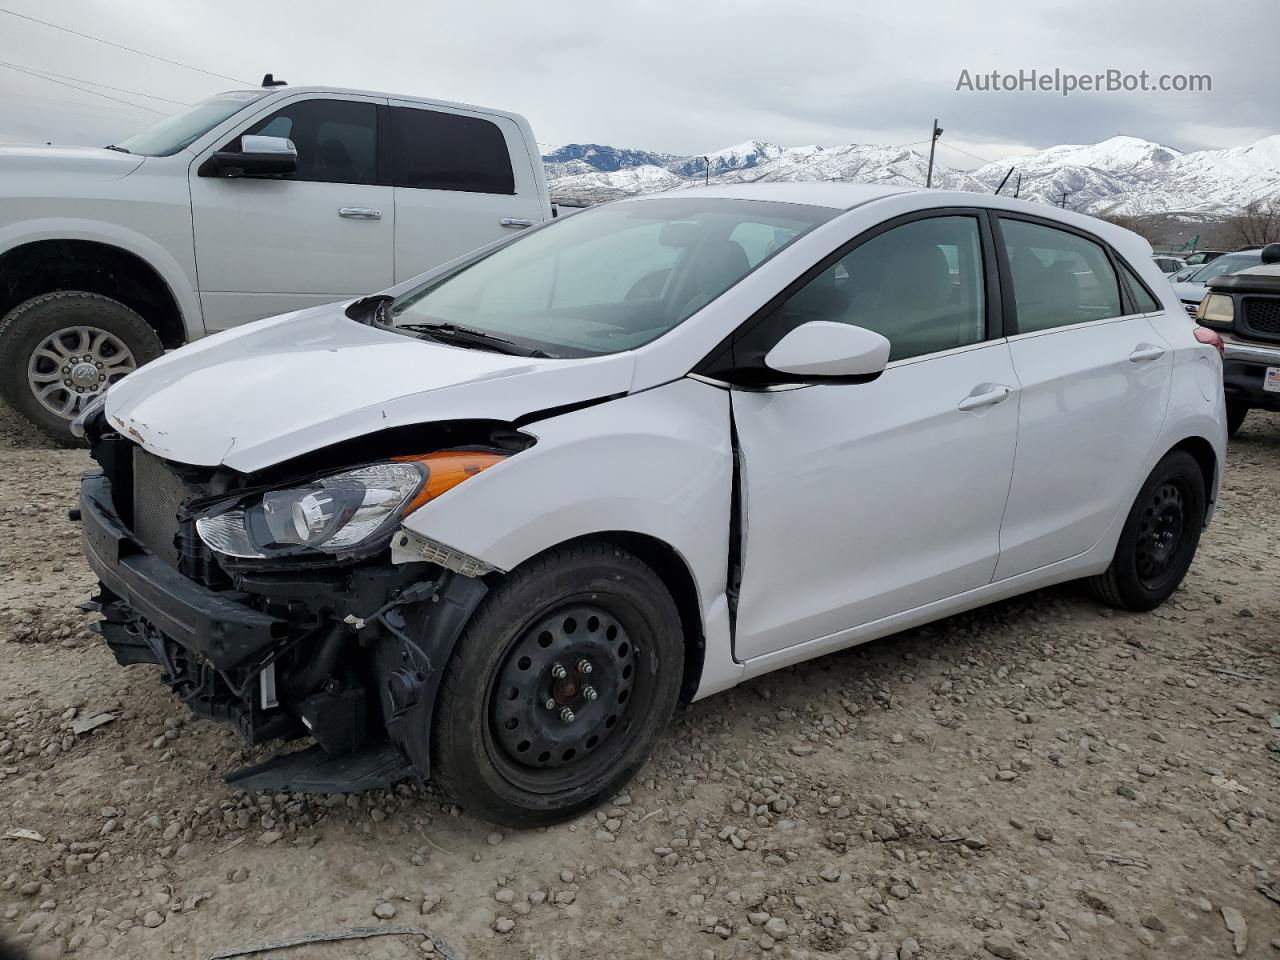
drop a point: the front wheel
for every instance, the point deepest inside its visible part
(1159, 538)
(565, 677)
(60, 350)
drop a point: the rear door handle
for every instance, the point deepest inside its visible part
(991, 394)
(519, 223)
(1146, 351)
(360, 213)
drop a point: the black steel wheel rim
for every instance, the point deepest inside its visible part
(565, 694)
(1162, 533)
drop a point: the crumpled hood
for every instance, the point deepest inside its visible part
(281, 387)
(80, 161)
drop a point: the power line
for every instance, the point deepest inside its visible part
(107, 86)
(62, 83)
(966, 153)
(121, 46)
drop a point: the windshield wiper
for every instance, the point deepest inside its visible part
(112, 146)
(452, 333)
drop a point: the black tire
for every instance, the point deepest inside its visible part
(1236, 412)
(1159, 538)
(31, 323)
(593, 597)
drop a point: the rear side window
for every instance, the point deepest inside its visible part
(920, 285)
(1144, 301)
(431, 150)
(1059, 278)
(336, 140)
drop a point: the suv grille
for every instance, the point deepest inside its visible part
(157, 494)
(1261, 316)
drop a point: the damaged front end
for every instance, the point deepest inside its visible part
(262, 614)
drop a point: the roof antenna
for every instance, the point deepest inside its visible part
(269, 81)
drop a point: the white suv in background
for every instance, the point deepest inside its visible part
(251, 203)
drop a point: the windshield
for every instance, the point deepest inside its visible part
(613, 278)
(179, 131)
(1228, 264)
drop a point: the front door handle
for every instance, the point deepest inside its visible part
(1146, 351)
(360, 213)
(991, 394)
(518, 223)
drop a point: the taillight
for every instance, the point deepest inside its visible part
(1211, 337)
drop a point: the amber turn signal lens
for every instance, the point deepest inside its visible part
(446, 469)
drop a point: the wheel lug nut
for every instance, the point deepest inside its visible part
(549, 703)
(79, 389)
(66, 383)
(567, 715)
(584, 666)
(558, 671)
(590, 693)
(66, 369)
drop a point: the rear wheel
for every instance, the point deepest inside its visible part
(60, 350)
(559, 687)
(1236, 412)
(1159, 538)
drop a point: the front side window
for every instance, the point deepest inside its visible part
(432, 150)
(168, 136)
(920, 285)
(336, 140)
(1059, 278)
(612, 278)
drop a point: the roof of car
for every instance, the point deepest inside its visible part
(287, 89)
(823, 193)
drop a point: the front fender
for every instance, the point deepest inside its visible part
(657, 463)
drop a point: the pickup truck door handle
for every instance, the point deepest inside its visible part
(991, 394)
(1146, 351)
(519, 223)
(360, 213)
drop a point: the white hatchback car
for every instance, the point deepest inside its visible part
(493, 525)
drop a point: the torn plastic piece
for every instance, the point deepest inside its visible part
(314, 771)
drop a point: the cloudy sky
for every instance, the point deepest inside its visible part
(681, 77)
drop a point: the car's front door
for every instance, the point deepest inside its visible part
(1095, 380)
(864, 500)
(266, 245)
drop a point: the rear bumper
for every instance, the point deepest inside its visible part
(1244, 366)
(211, 625)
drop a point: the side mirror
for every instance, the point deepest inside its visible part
(825, 350)
(1271, 253)
(257, 157)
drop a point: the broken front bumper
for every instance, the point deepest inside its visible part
(345, 655)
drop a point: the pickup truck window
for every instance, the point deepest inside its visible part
(336, 140)
(168, 136)
(612, 278)
(447, 151)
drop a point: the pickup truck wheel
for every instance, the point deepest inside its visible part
(1159, 538)
(557, 690)
(1236, 412)
(59, 350)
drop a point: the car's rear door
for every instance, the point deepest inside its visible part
(267, 245)
(863, 500)
(462, 179)
(1095, 379)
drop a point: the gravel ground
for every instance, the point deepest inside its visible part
(1040, 779)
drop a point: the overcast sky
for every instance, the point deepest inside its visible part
(680, 77)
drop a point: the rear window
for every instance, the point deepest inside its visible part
(432, 150)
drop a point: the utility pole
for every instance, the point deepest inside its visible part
(933, 143)
(706, 169)
(1063, 204)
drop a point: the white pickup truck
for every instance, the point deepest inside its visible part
(249, 204)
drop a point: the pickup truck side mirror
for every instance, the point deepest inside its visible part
(1271, 253)
(257, 157)
(825, 350)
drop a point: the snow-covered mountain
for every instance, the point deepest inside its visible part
(1123, 175)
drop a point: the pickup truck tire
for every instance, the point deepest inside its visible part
(1159, 538)
(59, 349)
(560, 685)
(1236, 412)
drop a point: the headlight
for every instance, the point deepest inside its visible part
(338, 515)
(1216, 310)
